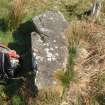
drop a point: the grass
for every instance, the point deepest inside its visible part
(18, 100)
(47, 96)
(96, 91)
(39, 6)
(6, 37)
(87, 35)
(73, 10)
(3, 96)
(17, 13)
(4, 8)
(14, 12)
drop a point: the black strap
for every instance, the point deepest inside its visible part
(3, 68)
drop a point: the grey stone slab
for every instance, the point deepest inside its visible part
(51, 53)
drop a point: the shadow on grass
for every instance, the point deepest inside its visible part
(22, 44)
(3, 25)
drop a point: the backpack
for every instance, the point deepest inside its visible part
(8, 66)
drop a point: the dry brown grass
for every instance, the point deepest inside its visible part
(47, 96)
(17, 12)
(73, 34)
(96, 90)
(89, 40)
(86, 32)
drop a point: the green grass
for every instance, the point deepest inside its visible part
(6, 37)
(73, 9)
(37, 7)
(4, 8)
(18, 100)
(18, 12)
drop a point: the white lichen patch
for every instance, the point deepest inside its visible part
(51, 18)
(56, 47)
(54, 41)
(36, 57)
(34, 61)
(44, 29)
(44, 15)
(50, 57)
(39, 58)
(47, 44)
(57, 54)
(44, 44)
(54, 58)
(34, 54)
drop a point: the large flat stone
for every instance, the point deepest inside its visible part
(50, 53)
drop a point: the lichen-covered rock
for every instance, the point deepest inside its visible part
(49, 46)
